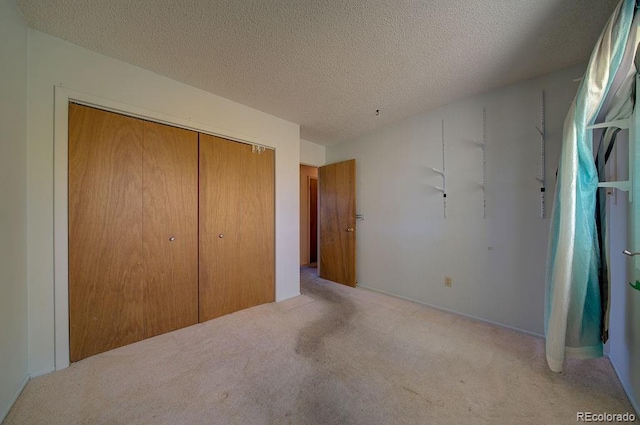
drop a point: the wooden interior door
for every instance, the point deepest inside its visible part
(237, 227)
(313, 220)
(170, 228)
(338, 222)
(106, 296)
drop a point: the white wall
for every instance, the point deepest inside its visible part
(312, 154)
(405, 246)
(13, 204)
(55, 62)
(624, 319)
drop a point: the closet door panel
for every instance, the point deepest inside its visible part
(170, 228)
(105, 231)
(237, 227)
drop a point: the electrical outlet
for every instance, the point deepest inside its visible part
(448, 282)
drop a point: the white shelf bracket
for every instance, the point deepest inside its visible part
(442, 172)
(632, 123)
(621, 124)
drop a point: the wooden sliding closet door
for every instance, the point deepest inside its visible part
(170, 228)
(237, 227)
(132, 230)
(105, 231)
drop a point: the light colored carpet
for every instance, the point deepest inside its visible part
(334, 355)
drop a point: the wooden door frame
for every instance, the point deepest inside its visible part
(62, 97)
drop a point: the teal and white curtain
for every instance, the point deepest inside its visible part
(575, 305)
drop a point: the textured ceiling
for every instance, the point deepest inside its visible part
(328, 65)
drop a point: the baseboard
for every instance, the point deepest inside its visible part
(43, 372)
(457, 313)
(287, 298)
(5, 413)
(627, 390)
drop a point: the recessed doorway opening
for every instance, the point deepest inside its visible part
(308, 216)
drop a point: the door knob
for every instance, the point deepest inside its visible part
(221, 236)
(629, 253)
(171, 239)
(351, 229)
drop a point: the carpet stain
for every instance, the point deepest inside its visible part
(340, 310)
(321, 400)
(412, 391)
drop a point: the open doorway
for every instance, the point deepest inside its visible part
(313, 220)
(327, 221)
(308, 216)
